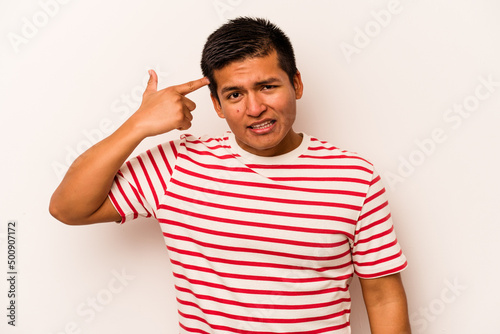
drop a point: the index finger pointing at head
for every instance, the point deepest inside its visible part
(191, 86)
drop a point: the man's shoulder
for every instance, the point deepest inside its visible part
(202, 148)
(195, 139)
(206, 142)
(324, 149)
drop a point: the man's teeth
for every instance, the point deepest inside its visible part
(262, 126)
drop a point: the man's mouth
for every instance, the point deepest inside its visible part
(264, 125)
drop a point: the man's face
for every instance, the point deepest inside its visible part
(259, 104)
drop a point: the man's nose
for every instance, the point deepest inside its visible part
(255, 105)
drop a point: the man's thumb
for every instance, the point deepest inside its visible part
(152, 85)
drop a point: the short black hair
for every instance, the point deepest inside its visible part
(242, 38)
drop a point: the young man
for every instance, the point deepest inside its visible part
(264, 226)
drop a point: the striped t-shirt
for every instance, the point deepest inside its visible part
(262, 244)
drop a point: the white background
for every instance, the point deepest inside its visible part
(377, 84)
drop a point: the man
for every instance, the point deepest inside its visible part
(264, 226)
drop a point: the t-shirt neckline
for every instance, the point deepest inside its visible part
(278, 159)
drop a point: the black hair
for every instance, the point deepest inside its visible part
(243, 38)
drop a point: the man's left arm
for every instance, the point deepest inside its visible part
(385, 301)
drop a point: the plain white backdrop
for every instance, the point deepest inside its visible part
(413, 86)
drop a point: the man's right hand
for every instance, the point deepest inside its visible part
(82, 196)
(167, 109)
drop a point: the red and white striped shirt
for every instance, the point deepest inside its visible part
(262, 245)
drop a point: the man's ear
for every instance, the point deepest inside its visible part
(217, 106)
(298, 85)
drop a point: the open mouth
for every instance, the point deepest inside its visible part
(262, 125)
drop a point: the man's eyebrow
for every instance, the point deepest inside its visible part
(267, 81)
(258, 83)
(230, 89)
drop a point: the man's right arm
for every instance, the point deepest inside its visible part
(82, 196)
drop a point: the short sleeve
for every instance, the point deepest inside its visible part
(376, 251)
(141, 182)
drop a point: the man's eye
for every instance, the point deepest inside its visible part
(233, 96)
(266, 87)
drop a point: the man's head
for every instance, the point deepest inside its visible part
(254, 84)
(244, 38)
